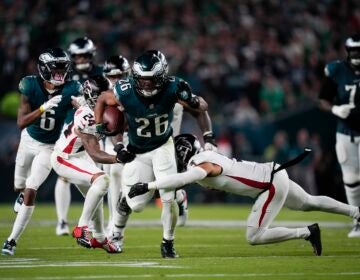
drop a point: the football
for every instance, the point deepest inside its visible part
(113, 119)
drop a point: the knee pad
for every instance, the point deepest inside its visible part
(122, 207)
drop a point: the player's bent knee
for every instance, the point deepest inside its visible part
(138, 207)
(253, 236)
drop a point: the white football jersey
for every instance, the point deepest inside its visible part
(245, 178)
(84, 120)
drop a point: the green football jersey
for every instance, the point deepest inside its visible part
(47, 128)
(348, 90)
(149, 119)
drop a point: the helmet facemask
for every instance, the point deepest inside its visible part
(149, 75)
(53, 66)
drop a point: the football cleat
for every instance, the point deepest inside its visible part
(167, 249)
(117, 240)
(355, 232)
(9, 247)
(83, 236)
(107, 245)
(18, 202)
(183, 210)
(315, 239)
(62, 228)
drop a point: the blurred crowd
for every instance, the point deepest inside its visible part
(254, 61)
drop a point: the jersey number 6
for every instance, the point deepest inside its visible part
(46, 121)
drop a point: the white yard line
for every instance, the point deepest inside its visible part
(311, 275)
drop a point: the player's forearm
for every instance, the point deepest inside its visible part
(178, 180)
(102, 157)
(203, 106)
(25, 120)
(203, 119)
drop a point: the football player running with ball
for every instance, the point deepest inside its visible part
(148, 99)
(74, 158)
(45, 101)
(340, 95)
(268, 183)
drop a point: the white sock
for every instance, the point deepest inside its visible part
(22, 219)
(119, 223)
(99, 222)
(93, 197)
(62, 199)
(169, 218)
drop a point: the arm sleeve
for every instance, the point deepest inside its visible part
(179, 179)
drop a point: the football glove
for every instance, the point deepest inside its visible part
(342, 111)
(51, 103)
(138, 189)
(123, 155)
(184, 93)
(210, 143)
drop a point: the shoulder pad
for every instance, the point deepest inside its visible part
(26, 84)
(74, 86)
(332, 68)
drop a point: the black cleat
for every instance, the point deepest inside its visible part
(167, 249)
(8, 247)
(315, 239)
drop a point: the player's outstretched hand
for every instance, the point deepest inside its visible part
(123, 155)
(51, 103)
(138, 189)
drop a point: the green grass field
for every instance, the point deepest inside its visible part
(210, 252)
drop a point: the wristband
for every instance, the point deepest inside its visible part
(41, 108)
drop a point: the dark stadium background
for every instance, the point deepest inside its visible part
(258, 64)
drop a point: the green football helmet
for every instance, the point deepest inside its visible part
(149, 74)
